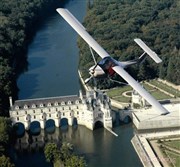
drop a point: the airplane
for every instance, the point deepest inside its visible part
(108, 65)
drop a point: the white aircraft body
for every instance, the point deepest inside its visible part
(108, 65)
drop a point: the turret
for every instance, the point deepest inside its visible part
(10, 101)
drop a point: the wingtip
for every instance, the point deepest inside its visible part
(59, 10)
(166, 113)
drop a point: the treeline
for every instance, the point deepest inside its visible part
(5, 136)
(18, 23)
(115, 23)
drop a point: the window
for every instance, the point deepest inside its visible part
(49, 104)
(41, 105)
(17, 118)
(33, 111)
(33, 106)
(17, 107)
(49, 115)
(77, 112)
(25, 112)
(77, 101)
(56, 103)
(41, 111)
(62, 103)
(34, 117)
(25, 106)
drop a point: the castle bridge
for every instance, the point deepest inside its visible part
(86, 110)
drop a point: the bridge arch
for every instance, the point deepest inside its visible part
(98, 124)
(50, 125)
(127, 119)
(19, 128)
(64, 122)
(75, 121)
(35, 127)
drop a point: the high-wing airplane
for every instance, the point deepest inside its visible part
(108, 65)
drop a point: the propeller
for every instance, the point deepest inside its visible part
(91, 70)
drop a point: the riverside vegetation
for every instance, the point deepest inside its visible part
(114, 24)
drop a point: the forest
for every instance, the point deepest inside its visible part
(17, 27)
(115, 23)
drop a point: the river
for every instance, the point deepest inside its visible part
(52, 71)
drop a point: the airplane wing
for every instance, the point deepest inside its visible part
(79, 28)
(151, 53)
(135, 85)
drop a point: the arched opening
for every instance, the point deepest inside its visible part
(50, 126)
(19, 129)
(35, 128)
(116, 120)
(75, 122)
(127, 119)
(98, 125)
(64, 123)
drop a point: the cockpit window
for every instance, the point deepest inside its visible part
(106, 64)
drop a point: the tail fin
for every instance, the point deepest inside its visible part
(147, 50)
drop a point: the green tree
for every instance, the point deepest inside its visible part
(5, 162)
(51, 152)
(75, 161)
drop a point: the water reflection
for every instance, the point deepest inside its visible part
(99, 147)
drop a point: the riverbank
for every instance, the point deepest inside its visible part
(147, 150)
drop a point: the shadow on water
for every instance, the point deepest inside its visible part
(28, 86)
(36, 62)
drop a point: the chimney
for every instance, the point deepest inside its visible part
(10, 101)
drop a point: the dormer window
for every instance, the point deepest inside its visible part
(77, 101)
(25, 107)
(62, 103)
(41, 105)
(33, 106)
(17, 107)
(69, 102)
(49, 105)
(56, 103)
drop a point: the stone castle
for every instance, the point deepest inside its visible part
(85, 110)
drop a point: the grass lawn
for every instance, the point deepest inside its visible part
(116, 93)
(175, 159)
(167, 153)
(173, 143)
(165, 87)
(122, 99)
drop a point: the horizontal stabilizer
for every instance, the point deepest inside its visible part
(151, 53)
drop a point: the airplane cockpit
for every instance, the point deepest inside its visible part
(106, 64)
